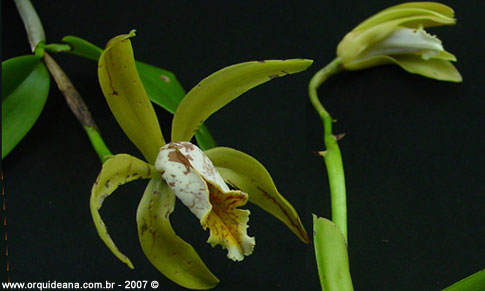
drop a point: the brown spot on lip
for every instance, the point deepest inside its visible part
(106, 185)
(182, 145)
(178, 157)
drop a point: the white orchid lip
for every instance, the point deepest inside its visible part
(407, 41)
(197, 183)
(178, 172)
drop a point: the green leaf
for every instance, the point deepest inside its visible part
(116, 171)
(171, 255)
(222, 87)
(245, 173)
(161, 85)
(474, 282)
(127, 98)
(331, 256)
(83, 48)
(25, 86)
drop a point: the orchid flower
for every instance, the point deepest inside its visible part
(180, 169)
(396, 36)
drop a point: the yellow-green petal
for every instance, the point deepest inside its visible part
(127, 98)
(400, 12)
(331, 256)
(116, 171)
(438, 67)
(222, 87)
(433, 6)
(444, 55)
(434, 68)
(245, 173)
(171, 255)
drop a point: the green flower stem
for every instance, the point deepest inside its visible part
(331, 155)
(33, 26)
(98, 143)
(77, 106)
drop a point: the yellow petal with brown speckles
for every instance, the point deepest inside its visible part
(116, 171)
(127, 97)
(170, 254)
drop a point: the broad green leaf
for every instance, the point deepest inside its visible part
(161, 85)
(127, 98)
(474, 282)
(245, 173)
(222, 87)
(116, 171)
(83, 48)
(25, 86)
(331, 256)
(171, 255)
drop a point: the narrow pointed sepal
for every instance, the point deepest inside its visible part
(245, 173)
(222, 87)
(170, 254)
(127, 98)
(116, 171)
(197, 183)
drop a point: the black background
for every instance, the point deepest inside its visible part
(413, 153)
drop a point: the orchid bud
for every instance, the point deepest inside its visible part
(396, 36)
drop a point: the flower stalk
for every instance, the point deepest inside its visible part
(331, 155)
